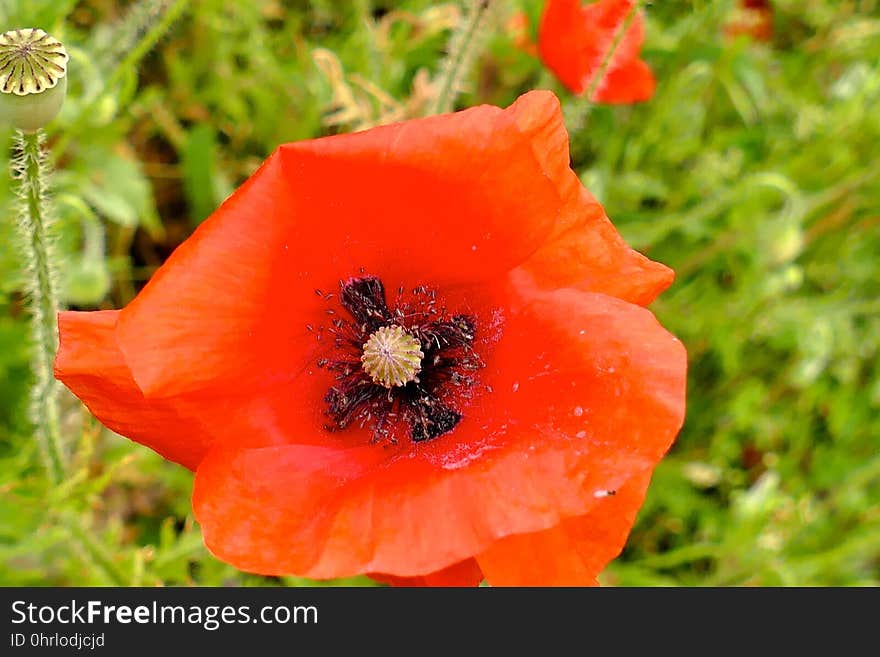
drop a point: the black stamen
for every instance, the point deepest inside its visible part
(364, 298)
(429, 418)
(423, 405)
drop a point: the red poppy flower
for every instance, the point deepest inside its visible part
(417, 351)
(575, 41)
(752, 18)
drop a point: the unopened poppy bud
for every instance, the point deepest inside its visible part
(33, 78)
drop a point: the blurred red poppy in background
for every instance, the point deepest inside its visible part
(576, 40)
(753, 18)
(418, 351)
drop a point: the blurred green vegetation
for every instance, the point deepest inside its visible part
(750, 173)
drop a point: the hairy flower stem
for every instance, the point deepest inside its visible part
(35, 239)
(464, 46)
(167, 13)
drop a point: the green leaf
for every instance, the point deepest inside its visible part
(205, 186)
(118, 189)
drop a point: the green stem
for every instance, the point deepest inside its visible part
(35, 237)
(462, 51)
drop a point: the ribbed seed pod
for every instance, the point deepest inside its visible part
(33, 78)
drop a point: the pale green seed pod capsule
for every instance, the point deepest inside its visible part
(33, 78)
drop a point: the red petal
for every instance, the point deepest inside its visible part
(90, 364)
(585, 251)
(588, 392)
(180, 428)
(464, 573)
(575, 551)
(456, 198)
(575, 41)
(592, 366)
(632, 82)
(563, 46)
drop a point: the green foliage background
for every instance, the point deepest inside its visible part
(752, 172)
